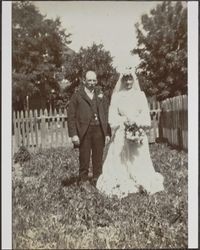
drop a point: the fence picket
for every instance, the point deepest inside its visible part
(46, 128)
(19, 129)
(50, 112)
(56, 127)
(175, 122)
(61, 127)
(36, 127)
(51, 129)
(42, 131)
(41, 113)
(26, 126)
(22, 128)
(65, 125)
(31, 128)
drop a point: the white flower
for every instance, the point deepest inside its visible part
(100, 95)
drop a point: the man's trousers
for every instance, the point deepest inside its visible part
(92, 143)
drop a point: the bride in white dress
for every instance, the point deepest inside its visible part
(128, 164)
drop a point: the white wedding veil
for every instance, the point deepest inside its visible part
(119, 85)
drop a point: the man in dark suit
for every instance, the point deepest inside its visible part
(88, 125)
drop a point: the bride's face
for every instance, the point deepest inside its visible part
(128, 82)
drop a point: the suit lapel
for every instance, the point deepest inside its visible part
(85, 96)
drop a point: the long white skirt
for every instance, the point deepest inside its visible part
(128, 166)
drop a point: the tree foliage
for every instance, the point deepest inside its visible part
(162, 48)
(91, 58)
(38, 45)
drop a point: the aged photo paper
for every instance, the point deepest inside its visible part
(38, 211)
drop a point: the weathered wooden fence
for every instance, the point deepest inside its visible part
(42, 129)
(37, 129)
(173, 121)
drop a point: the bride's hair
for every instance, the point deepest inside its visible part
(124, 79)
(127, 77)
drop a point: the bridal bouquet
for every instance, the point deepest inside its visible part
(135, 133)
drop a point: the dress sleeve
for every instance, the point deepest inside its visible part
(143, 117)
(114, 118)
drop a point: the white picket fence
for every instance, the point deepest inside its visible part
(40, 129)
(43, 129)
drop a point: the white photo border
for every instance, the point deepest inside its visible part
(193, 91)
(6, 146)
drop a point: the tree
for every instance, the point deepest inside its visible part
(162, 48)
(91, 58)
(38, 44)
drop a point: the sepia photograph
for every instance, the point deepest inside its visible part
(99, 125)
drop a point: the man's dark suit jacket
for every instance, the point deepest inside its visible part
(80, 113)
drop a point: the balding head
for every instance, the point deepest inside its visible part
(90, 74)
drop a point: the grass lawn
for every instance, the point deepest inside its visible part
(48, 215)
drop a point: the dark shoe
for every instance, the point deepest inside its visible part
(82, 179)
(93, 181)
(70, 181)
(142, 190)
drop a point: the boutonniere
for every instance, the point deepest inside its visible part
(100, 95)
(99, 92)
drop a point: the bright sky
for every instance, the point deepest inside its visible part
(108, 22)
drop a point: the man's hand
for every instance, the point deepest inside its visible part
(107, 139)
(76, 140)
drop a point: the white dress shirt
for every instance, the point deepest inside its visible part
(89, 93)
